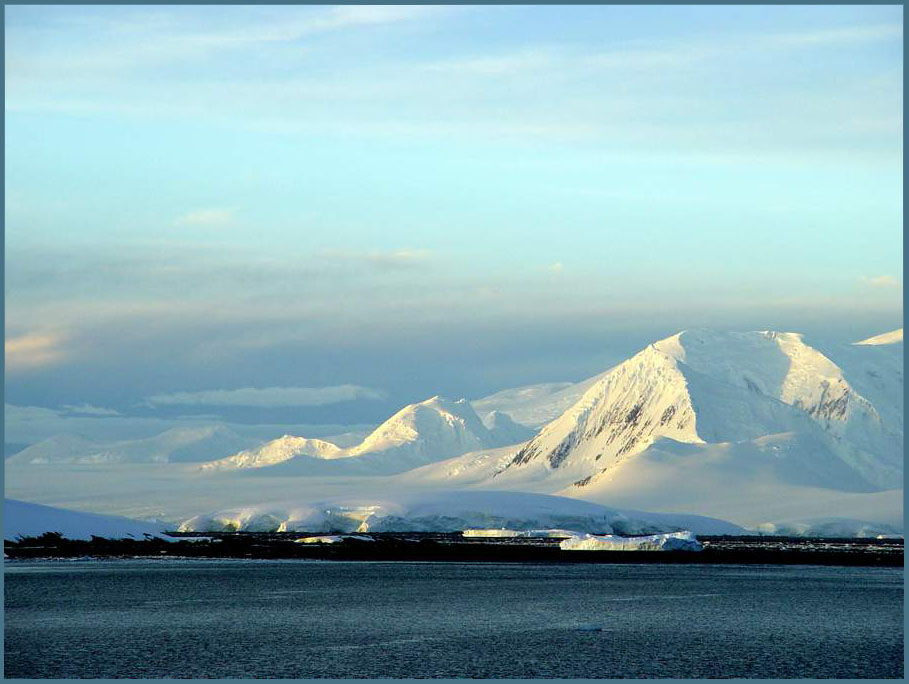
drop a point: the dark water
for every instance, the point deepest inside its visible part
(308, 619)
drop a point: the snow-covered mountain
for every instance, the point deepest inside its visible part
(276, 451)
(756, 428)
(844, 423)
(418, 434)
(23, 519)
(178, 445)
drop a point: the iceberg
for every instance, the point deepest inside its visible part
(522, 534)
(331, 539)
(672, 541)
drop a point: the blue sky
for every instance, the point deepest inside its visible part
(419, 200)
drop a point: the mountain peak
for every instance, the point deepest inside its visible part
(704, 386)
(444, 403)
(429, 425)
(431, 430)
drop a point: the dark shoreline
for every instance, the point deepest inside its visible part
(452, 548)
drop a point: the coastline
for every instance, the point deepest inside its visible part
(451, 548)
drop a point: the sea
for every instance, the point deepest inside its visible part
(316, 619)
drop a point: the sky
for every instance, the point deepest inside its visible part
(315, 215)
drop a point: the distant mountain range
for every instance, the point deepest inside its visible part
(702, 421)
(418, 434)
(705, 416)
(706, 388)
(178, 445)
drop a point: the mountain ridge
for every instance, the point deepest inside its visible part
(703, 387)
(420, 433)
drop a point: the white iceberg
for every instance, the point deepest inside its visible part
(331, 539)
(672, 541)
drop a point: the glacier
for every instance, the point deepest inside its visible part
(447, 511)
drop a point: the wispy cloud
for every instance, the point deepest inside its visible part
(89, 410)
(651, 54)
(207, 218)
(497, 64)
(654, 93)
(399, 258)
(283, 29)
(30, 424)
(882, 281)
(269, 396)
(390, 260)
(33, 350)
(122, 42)
(851, 34)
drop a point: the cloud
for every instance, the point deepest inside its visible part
(852, 34)
(150, 38)
(30, 424)
(206, 218)
(881, 281)
(656, 55)
(285, 28)
(32, 351)
(557, 267)
(401, 258)
(269, 396)
(496, 65)
(389, 260)
(89, 410)
(613, 91)
(345, 16)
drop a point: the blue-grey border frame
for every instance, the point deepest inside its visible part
(404, 2)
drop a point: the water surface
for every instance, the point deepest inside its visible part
(333, 619)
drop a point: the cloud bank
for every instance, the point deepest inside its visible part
(32, 350)
(881, 281)
(269, 397)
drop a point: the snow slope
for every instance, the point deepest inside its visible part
(773, 478)
(276, 451)
(178, 445)
(875, 371)
(535, 405)
(448, 511)
(891, 337)
(707, 387)
(429, 431)
(505, 431)
(22, 519)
